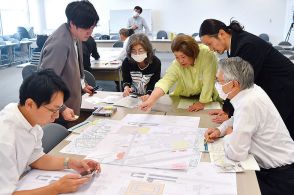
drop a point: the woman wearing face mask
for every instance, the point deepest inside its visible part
(141, 68)
(193, 71)
(136, 22)
(273, 72)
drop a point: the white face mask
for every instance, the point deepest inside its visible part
(220, 90)
(139, 57)
(135, 14)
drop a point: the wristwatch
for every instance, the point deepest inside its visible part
(65, 163)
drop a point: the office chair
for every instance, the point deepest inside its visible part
(4, 57)
(35, 59)
(161, 34)
(285, 43)
(118, 44)
(97, 36)
(28, 70)
(114, 37)
(89, 78)
(104, 37)
(264, 37)
(23, 32)
(195, 35)
(278, 47)
(53, 135)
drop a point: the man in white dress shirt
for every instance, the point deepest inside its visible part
(256, 128)
(41, 97)
(124, 35)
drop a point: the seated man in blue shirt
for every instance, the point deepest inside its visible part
(256, 128)
(41, 97)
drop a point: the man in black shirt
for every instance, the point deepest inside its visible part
(89, 48)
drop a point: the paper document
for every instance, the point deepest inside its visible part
(112, 99)
(155, 120)
(186, 102)
(128, 102)
(94, 100)
(218, 157)
(148, 146)
(121, 180)
(71, 137)
(88, 140)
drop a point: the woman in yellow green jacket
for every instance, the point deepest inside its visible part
(193, 71)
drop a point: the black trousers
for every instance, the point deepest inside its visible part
(276, 181)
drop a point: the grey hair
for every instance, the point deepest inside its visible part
(235, 68)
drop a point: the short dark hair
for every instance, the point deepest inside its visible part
(185, 44)
(139, 9)
(143, 40)
(82, 14)
(126, 32)
(40, 86)
(211, 27)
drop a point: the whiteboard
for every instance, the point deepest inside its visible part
(119, 19)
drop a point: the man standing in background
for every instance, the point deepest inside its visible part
(63, 53)
(136, 22)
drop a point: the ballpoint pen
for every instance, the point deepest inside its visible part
(205, 145)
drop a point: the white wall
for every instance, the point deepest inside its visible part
(258, 16)
(185, 16)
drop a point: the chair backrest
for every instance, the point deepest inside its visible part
(41, 39)
(286, 43)
(28, 70)
(89, 78)
(264, 36)
(161, 34)
(104, 37)
(114, 37)
(118, 44)
(2, 42)
(195, 35)
(278, 47)
(35, 58)
(23, 32)
(53, 135)
(97, 36)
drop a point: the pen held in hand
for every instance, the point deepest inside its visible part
(205, 145)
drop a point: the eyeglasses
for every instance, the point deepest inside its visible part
(54, 111)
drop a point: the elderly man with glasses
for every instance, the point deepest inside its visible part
(256, 127)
